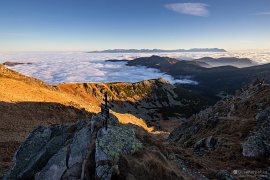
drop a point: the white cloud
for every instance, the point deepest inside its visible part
(59, 67)
(56, 67)
(263, 13)
(195, 9)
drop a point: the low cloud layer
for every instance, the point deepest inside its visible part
(194, 9)
(55, 68)
(63, 67)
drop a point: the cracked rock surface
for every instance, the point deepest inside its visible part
(64, 151)
(110, 144)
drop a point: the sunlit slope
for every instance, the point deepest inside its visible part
(92, 92)
(26, 103)
(128, 101)
(15, 87)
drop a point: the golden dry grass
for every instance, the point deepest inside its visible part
(95, 96)
(16, 90)
(12, 90)
(26, 103)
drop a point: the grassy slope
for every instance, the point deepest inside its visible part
(26, 103)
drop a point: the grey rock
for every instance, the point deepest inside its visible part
(212, 121)
(211, 143)
(224, 175)
(258, 143)
(49, 151)
(183, 133)
(263, 117)
(208, 143)
(37, 149)
(67, 163)
(55, 167)
(79, 146)
(80, 124)
(58, 130)
(110, 144)
(45, 154)
(73, 173)
(31, 147)
(253, 147)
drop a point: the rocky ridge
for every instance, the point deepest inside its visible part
(66, 151)
(233, 134)
(142, 99)
(87, 150)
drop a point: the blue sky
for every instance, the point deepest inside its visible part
(79, 25)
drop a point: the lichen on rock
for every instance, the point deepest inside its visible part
(110, 144)
(118, 140)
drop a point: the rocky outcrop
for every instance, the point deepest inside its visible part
(230, 132)
(208, 143)
(224, 175)
(258, 143)
(55, 167)
(37, 149)
(145, 99)
(183, 132)
(69, 160)
(64, 151)
(110, 144)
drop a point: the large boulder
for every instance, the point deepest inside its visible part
(44, 147)
(110, 144)
(70, 159)
(208, 143)
(79, 146)
(65, 151)
(258, 143)
(55, 167)
(25, 158)
(254, 147)
(184, 132)
(263, 118)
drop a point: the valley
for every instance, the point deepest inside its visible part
(211, 81)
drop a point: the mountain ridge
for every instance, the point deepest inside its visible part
(211, 81)
(158, 50)
(227, 61)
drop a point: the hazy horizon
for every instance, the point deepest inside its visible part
(89, 50)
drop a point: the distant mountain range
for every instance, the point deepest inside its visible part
(158, 50)
(226, 61)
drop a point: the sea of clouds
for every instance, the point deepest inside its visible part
(62, 67)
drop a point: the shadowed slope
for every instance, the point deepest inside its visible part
(141, 103)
